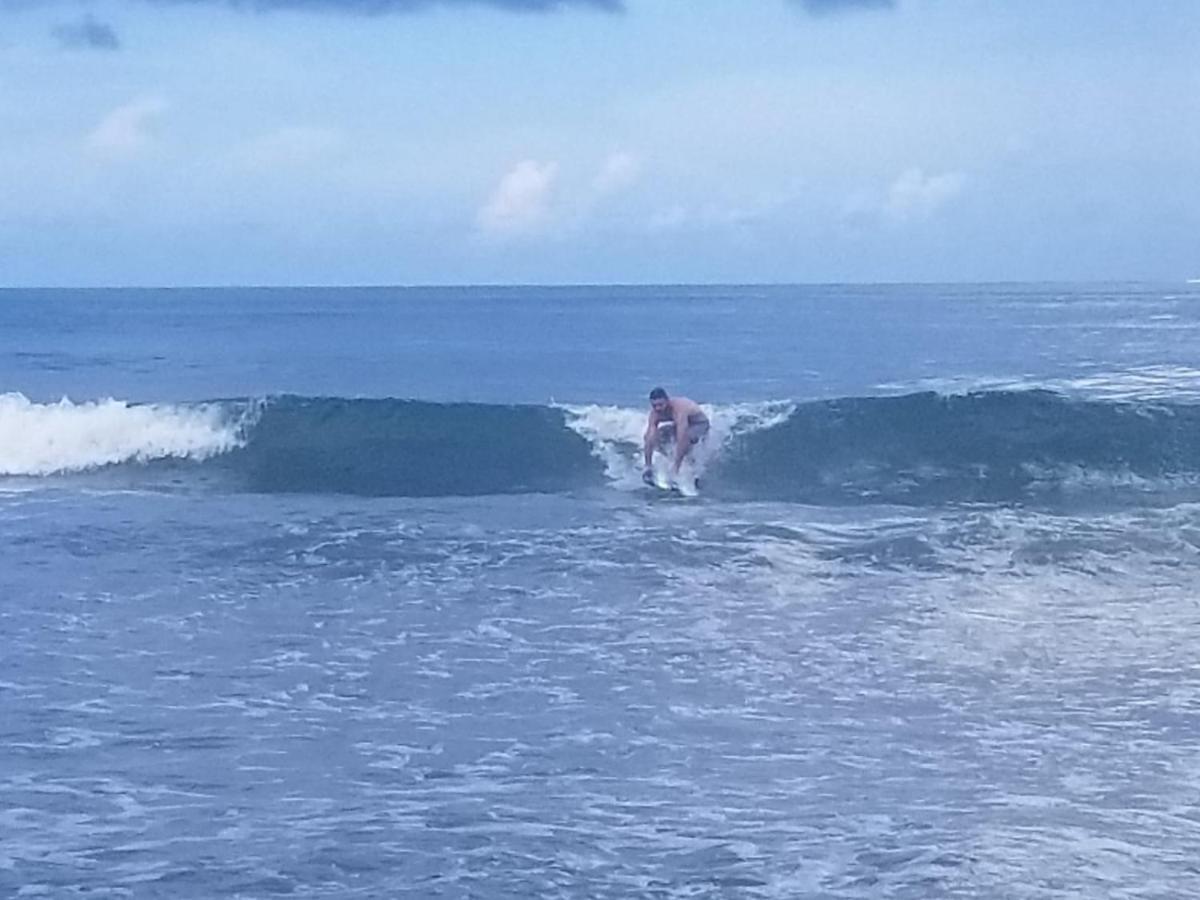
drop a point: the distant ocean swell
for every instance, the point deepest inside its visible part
(990, 446)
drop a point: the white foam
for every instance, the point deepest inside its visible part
(615, 433)
(49, 438)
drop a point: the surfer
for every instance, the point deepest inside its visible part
(675, 419)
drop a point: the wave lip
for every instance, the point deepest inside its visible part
(39, 439)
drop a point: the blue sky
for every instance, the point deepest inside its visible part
(169, 142)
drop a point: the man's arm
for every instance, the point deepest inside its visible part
(650, 441)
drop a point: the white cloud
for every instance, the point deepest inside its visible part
(128, 130)
(534, 195)
(619, 172)
(521, 202)
(292, 147)
(915, 196)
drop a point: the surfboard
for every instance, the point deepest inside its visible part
(684, 485)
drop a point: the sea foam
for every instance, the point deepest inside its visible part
(49, 438)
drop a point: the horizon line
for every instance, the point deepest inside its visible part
(567, 285)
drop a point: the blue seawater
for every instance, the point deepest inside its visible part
(357, 593)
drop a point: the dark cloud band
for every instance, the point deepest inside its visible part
(374, 7)
(87, 34)
(379, 7)
(829, 7)
(93, 34)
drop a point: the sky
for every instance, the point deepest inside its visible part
(294, 142)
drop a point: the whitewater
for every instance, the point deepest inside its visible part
(357, 593)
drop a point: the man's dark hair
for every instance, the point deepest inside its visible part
(658, 394)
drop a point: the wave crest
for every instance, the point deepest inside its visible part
(615, 433)
(916, 449)
(38, 439)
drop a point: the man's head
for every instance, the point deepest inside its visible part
(659, 400)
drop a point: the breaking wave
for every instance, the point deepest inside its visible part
(924, 448)
(39, 439)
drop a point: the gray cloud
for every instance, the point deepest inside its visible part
(90, 33)
(829, 7)
(377, 7)
(93, 34)
(87, 34)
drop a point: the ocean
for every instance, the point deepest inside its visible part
(356, 593)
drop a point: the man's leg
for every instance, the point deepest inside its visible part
(696, 433)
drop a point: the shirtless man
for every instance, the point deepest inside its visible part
(671, 418)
